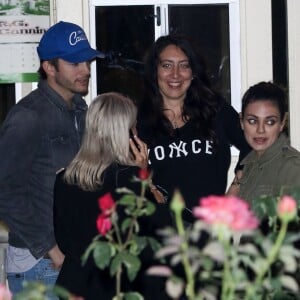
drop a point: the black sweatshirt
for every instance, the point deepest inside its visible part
(195, 166)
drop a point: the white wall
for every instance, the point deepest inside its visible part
(293, 10)
(256, 48)
(256, 42)
(76, 11)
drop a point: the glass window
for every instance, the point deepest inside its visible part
(125, 33)
(279, 41)
(7, 96)
(208, 25)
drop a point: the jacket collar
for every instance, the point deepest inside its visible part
(55, 98)
(279, 145)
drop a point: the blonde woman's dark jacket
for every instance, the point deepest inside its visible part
(278, 167)
(75, 215)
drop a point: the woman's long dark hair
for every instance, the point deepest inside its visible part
(201, 103)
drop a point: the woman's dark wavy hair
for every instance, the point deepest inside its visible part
(201, 103)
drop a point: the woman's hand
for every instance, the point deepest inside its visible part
(234, 188)
(140, 152)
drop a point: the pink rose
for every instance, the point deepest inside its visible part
(5, 294)
(287, 208)
(230, 211)
(144, 174)
(103, 224)
(106, 204)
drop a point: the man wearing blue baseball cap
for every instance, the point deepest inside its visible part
(41, 135)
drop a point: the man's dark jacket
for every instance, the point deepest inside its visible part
(39, 136)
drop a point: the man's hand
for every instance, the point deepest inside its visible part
(56, 256)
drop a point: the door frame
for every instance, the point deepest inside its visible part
(234, 35)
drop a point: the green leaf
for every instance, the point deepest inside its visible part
(116, 264)
(150, 208)
(174, 287)
(118, 297)
(124, 190)
(87, 252)
(215, 250)
(249, 263)
(34, 290)
(102, 254)
(290, 250)
(132, 264)
(154, 244)
(289, 282)
(139, 243)
(257, 264)
(125, 224)
(290, 263)
(265, 206)
(167, 250)
(61, 292)
(166, 232)
(292, 238)
(294, 192)
(128, 200)
(163, 271)
(207, 264)
(133, 296)
(249, 249)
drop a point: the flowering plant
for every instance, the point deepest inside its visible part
(225, 256)
(265, 206)
(5, 294)
(34, 290)
(119, 243)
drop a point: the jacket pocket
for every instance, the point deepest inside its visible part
(63, 149)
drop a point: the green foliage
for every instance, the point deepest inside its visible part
(249, 266)
(102, 254)
(265, 207)
(39, 291)
(120, 248)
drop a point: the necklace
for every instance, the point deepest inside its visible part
(174, 124)
(175, 120)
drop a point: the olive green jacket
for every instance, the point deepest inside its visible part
(276, 169)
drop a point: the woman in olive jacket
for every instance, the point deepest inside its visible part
(273, 164)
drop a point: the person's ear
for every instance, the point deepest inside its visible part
(241, 121)
(284, 121)
(48, 68)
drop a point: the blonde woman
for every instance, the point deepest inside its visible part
(107, 159)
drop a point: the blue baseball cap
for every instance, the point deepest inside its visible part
(67, 41)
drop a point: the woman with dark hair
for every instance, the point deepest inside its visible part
(187, 126)
(273, 165)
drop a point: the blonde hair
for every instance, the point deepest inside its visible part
(106, 140)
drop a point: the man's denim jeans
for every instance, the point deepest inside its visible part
(43, 271)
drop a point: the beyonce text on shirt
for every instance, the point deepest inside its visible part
(181, 149)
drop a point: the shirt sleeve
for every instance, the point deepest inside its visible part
(234, 132)
(19, 140)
